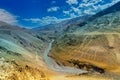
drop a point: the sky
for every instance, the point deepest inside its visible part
(35, 13)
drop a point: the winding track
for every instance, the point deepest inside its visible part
(55, 67)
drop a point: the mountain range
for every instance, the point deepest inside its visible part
(90, 43)
(92, 46)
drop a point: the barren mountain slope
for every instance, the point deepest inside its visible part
(93, 47)
(21, 54)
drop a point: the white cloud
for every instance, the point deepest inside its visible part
(85, 4)
(75, 9)
(45, 20)
(101, 7)
(72, 15)
(85, 1)
(95, 6)
(89, 3)
(66, 12)
(70, 2)
(87, 7)
(34, 20)
(53, 9)
(88, 12)
(7, 17)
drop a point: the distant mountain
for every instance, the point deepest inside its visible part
(93, 44)
(108, 10)
(72, 24)
(60, 27)
(112, 11)
(4, 25)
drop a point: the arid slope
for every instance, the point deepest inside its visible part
(93, 47)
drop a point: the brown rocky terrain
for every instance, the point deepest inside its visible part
(93, 47)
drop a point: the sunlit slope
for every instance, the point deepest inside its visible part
(95, 44)
(12, 70)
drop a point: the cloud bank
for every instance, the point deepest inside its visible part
(45, 20)
(86, 7)
(74, 9)
(7, 17)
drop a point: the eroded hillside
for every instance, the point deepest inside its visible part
(93, 47)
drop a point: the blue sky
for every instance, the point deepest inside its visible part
(34, 13)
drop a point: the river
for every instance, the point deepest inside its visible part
(55, 67)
